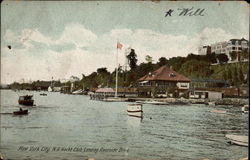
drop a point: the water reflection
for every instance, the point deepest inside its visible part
(134, 121)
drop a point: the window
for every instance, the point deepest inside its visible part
(172, 75)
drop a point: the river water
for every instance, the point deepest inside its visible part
(73, 127)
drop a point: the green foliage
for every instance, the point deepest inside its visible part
(233, 55)
(102, 70)
(211, 58)
(176, 62)
(229, 76)
(196, 69)
(245, 54)
(222, 58)
(225, 75)
(149, 59)
(240, 75)
(162, 61)
(235, 77)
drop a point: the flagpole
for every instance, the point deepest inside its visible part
(116, 74)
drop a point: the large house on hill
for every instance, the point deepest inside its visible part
(226, 47)
(163, 82)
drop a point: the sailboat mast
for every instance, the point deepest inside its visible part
(116, 74)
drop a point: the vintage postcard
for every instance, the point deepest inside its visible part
(115, 80)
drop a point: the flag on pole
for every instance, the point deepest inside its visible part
(119, 45)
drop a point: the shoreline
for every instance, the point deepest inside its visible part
(237, 102)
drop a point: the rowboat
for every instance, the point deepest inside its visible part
(21, 112)
(135, 110)
(238, 139)
(26, 100)
(218, 111)
(210, 103)
(245, 109)
(156, 103)
(78, 92)
(152, 102)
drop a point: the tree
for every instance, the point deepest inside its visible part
(245, 54)
(235, 77)
(225, 76)
(192, 56)
(240, 75)
(222, 58)
(196, 69)
(233, 55)
(162, 61)
(176, 62)
(211, 57)
(229, 76)
(132, 59)
(149, 59)
(102, 70)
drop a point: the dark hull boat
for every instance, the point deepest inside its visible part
(26, 100)
(21, 112)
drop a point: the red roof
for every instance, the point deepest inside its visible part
(165, 74)
(105, 90)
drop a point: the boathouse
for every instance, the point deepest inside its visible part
(163, 82)
(101, 93)
(204, 94)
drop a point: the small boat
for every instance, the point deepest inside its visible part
(155, 103)
(50, 89)
(26, 100)
(238, 139)
(218, 111)
(43, 94)
(210, 103)
(78, 92)
(21, 112)
(245, 109)
(135, 110)
(141, 102)
(113, 99)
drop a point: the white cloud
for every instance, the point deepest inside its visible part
(77, 34)
(94, 51)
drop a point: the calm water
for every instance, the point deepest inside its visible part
(70, 121)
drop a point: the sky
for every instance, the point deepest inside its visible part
(63, 38)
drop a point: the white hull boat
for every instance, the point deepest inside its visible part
(156, 103)
(211, 103)
(50, 89)
(245, 109)
(110, 99)
(135, 110)
(80, 91)
(238, 139)
(152, 102)
(218, 111)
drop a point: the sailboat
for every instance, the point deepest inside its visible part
(50, 88)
